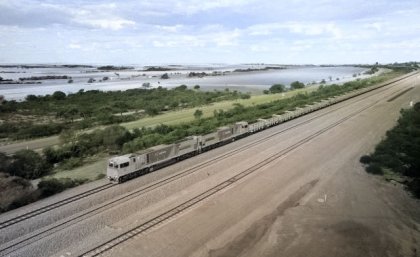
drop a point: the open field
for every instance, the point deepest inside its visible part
(177, 117)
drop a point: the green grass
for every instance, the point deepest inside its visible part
(90, 171)
(186, 115)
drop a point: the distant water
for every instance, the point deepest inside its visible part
(134, 79)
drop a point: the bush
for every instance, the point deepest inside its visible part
(15, 192)
(28, 164)
(53, 186)
(277, 88)
(375, 169)
(365, 159)
(297, 85)
(59, 95)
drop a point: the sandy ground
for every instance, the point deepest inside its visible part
(317, 201)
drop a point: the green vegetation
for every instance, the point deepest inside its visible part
(117, 139)
(397, 156)
(17, 192)
(297, 85)
(40, 116)
(277, 88)
(26, 164)
(83, 148)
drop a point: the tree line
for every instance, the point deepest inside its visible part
(51, 114)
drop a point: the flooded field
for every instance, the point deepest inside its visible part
(90, 78)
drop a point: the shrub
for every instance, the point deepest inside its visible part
(297, 85)
(375, 169)
(59, 95)
(28, 164)
(365, 159)
(277, 88)
(53, 186)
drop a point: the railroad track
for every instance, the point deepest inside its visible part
(160, 219)
(36, 237)
(52, 206)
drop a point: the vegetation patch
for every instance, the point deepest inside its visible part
(397, 156)
(40, 116)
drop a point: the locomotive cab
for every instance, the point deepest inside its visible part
(118, 166)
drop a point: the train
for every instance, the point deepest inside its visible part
(125, 167)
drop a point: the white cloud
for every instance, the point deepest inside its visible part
(113, 24)
(314, 29)
(171, 29)
(74, 46)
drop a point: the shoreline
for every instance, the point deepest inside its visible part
(241, 81)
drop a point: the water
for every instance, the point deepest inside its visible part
(122, 80)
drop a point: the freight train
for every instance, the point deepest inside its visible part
(125, 167)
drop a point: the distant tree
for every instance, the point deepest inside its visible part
(297, 85)
(277, 88)
(323, 81)
(59, 95)
(105, 78)
(121, 106)
(31, 98)
(181, 88)
(198, 114)
(146, 85)
(165, 76)
(197, 87)
(91, 80)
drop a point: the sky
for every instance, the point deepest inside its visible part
(148, 32)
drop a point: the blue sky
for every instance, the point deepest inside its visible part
(217, 31)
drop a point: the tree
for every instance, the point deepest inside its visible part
(197, 87)
(181, 88)
(59, 95)
(198, 114)
(31, 98)
(70, 81)
(121, 106)
(277, 88)
(165, 76)
(28, 164)
(297, 85)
